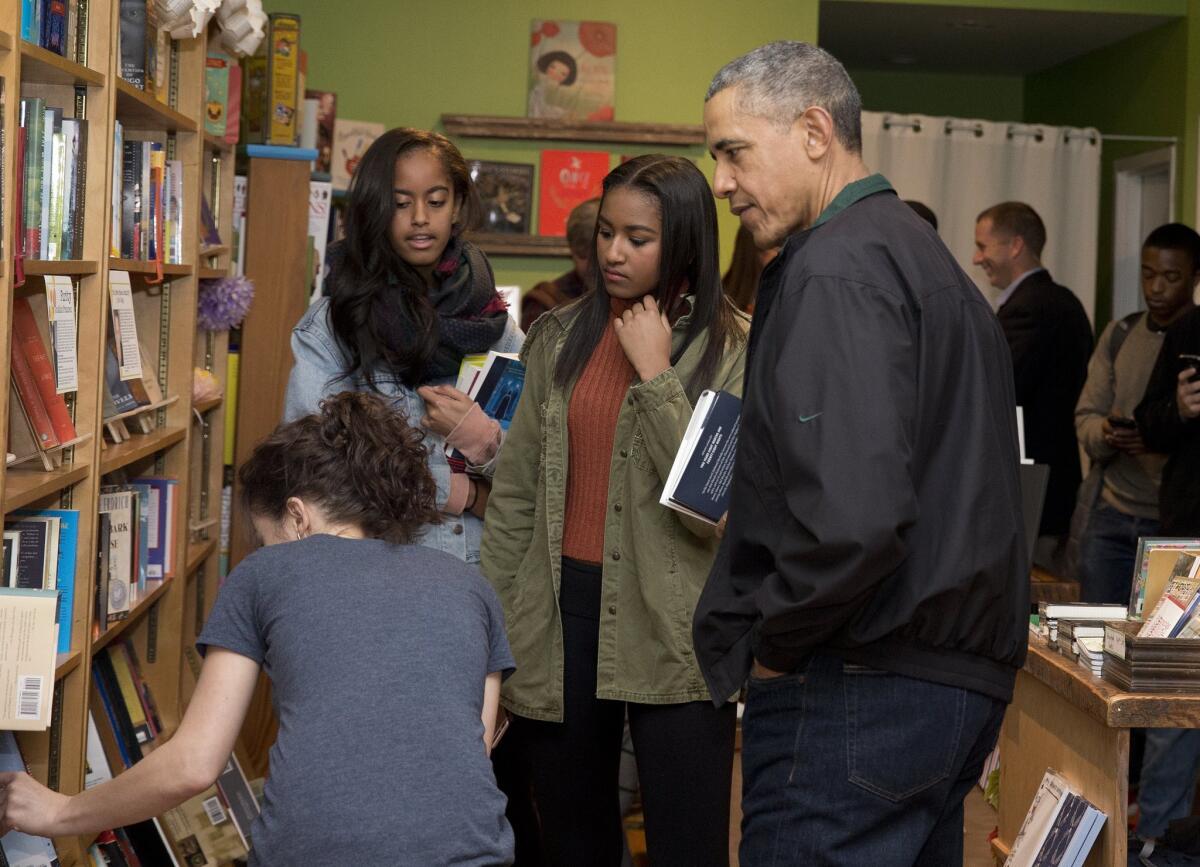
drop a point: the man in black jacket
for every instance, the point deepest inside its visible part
(871, 570)
(1051, 342)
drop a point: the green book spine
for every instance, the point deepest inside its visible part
(35, 123)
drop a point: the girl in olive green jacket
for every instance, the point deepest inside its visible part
(597, 579)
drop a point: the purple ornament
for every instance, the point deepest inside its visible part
(223, 303)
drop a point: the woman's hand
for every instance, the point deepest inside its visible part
(645, 336)
(445, 407)
(28, 806)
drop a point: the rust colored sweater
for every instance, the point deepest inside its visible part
(591, 429)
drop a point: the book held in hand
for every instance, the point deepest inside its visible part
(700, 479)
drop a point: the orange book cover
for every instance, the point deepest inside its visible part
(25, 333)
(27, 390)
(567, 178)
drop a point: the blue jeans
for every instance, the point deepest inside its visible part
(1107, 553)
(847, 765)
(1168, 779)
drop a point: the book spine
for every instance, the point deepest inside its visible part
(26, 334)
(27, 391)
(111, 714)
(77, 227)
(35, 117)
(46, 181)
(142, 200)
(130, 175)
(29, 21)
(55, 26)
(54, 211)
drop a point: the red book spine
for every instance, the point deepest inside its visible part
(27, 391)
(26, 332)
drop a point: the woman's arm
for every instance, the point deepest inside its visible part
(491, 707)
(184, 766)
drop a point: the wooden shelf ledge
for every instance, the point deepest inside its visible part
(540, 128)
(139, 446)
(40, 66)
(148, 267)
(212, 273)
(213, 250)
(55, 267)
(150, 407)
(198, 552)
(216, 143)
(67, 662)
(203, 406)
(22, 487)
(501, 244)
(155, 589)
(6, 41)
(138, 110)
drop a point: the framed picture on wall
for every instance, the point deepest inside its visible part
(572, 69)
(506, 193)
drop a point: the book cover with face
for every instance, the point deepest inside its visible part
(572, 69)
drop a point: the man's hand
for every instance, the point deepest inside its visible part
(758, 671)
(445, 407)
(28, 806)
(645, 335)
(1187, 395)
(1123, 439)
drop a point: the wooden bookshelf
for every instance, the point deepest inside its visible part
(139, 446)
(203, 406)
(500, 244)
(6, 41)
(198, 552)
(149, 266)
(40, 66)
(140, 110)
(144, 604)
(60, 267)
(25, 486)
(212, 273)
(543, 129)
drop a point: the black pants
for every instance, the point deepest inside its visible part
(684, 758)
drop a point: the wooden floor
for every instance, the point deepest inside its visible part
(978, 822)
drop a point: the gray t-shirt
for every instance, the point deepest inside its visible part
(377, 655)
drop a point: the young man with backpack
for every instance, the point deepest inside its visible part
(1121, 492)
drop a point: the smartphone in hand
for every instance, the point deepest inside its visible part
(1190, 360)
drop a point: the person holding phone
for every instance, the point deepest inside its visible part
(1118, 502)
(1168, 419)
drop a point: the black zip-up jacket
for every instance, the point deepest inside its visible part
(1163, 430)
(876, 509)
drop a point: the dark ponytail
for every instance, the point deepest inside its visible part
(357, 458)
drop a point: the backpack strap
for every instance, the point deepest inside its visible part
(1117, 340)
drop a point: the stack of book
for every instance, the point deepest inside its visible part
(40, 550)
(1050, 614)
(134, 726)
(42, 358)
(57, 25)
(148, 202)
(52, 150)
(135, 544)
(1060, 827)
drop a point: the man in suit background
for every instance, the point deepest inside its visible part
(1051, 341)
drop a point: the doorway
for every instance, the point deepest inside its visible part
(1142, 201)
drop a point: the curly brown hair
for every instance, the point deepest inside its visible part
(358, 458)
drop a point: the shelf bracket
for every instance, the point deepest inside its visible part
(54, 763)
(152, 634)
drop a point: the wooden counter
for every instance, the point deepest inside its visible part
(1063, 717)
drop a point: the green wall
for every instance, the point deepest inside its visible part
(988, 97)
(406, 64)
(1135, 87)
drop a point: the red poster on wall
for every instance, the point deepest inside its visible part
(567, 178)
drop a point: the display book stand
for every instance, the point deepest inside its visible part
(164, 622)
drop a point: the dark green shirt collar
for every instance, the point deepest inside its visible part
(851, 193)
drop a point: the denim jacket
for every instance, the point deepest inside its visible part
(318, 372)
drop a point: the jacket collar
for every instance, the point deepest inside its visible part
(853, 192)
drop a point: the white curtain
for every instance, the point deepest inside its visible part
(959, 167)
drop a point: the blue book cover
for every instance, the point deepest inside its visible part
(123, 398)
(500, 391)
(68, 547)
(30, 31)
(160, 492)
(700, 480)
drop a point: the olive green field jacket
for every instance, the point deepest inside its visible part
(656, 560)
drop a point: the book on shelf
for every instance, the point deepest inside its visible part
(326, 115)
(505, 194)
(52, 552)
(567, 178)
(28, 337)
(148, 219)
(1050, 613)
(29, 629)
(241, 186)
(133, 44)
(271, 87)
(102, 573)
(12, 551)
(59, 26)
(702, 473)
(54, 181)
(26, 388)
(118, 505)
(131, 724)
(216, 93)
(96, 767)
(351, 138)
(1060, 828)
(572, 69)
(202, 831)
(17, 848)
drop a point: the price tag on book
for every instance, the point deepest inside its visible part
(1114, 642)
(129, 355)
(60, 313)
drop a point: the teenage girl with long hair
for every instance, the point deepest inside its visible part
(598, 580)
(408, 298)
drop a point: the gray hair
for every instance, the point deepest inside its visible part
(780, 80)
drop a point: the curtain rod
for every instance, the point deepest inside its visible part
(1032, 130)
(1165, 139)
